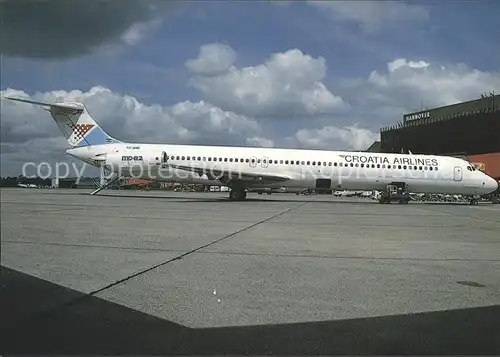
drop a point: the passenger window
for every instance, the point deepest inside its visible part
(189, 158)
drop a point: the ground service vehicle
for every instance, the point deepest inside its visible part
(395, 191)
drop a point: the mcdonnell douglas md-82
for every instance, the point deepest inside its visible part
(243, 168)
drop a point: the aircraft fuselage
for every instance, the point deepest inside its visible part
(290, 168)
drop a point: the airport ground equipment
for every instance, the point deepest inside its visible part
(395, 192)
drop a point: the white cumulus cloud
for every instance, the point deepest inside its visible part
(288, 84)
(411, 83)
(335, 138)
(213, 59)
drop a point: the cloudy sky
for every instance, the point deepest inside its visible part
(305, 74)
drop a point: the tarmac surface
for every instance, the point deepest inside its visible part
(165, 272)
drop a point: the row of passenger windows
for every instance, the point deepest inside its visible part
(296, 162)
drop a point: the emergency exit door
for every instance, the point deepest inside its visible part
(457, 173)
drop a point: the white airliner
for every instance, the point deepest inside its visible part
(243, 168)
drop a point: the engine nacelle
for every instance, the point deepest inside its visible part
(129, 162)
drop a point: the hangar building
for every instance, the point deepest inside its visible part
(470, 129)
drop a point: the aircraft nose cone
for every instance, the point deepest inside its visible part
(494, 185)
(491, 184)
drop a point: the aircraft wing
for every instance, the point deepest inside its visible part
(226, 175)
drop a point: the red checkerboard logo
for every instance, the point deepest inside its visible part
(79, 130)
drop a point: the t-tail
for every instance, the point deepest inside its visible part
(75, 122)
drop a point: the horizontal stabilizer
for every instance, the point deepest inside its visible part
(72, 107)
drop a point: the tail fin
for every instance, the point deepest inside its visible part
(75, 122)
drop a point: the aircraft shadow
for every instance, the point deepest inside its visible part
(92, 325)
(250, 199)
(186, 198)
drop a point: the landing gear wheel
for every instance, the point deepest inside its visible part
(473, 201)
(237, 195)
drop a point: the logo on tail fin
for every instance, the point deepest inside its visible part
(80, 130)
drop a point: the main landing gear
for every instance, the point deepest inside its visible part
(237, 194)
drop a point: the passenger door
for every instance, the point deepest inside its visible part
(457, 173)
